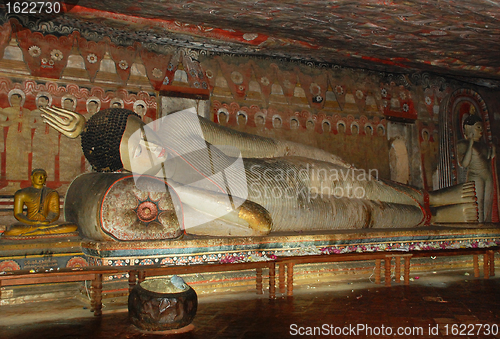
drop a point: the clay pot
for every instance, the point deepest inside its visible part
(155, 305)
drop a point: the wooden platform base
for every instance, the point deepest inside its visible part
(139, 273)
(287, 263)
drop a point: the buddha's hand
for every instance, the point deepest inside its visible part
(69, 123)
(40, 219)
(469, 136)
(44, 222)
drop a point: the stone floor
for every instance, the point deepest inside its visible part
(448, 304)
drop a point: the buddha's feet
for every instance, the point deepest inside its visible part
(458, 213)
(459, 194)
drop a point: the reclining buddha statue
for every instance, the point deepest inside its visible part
(233, 183)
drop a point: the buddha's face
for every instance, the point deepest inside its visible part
(140, 148)
(222, 118)
(259, 120)
(42, 102)
(92, 107)
(38, 179)
(425, 136)
(68, 104)
(474, 132)
(15, 100)
(380, 131)
(326, 127)
(139, 109)
(242, 120)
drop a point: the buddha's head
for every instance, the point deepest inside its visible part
(38, 177)
(341, 127)
(425, 135)
(92, 106)
(117, 138)
(473, 127)
(326, 126)
(260, 120)
(222, 118)
(140, 109)
(277, 122)
(380, 130)
(42, 101)
(69, 104)
(242, 119)
(354, 129)
(16, 100)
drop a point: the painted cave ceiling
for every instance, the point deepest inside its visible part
(458, 38)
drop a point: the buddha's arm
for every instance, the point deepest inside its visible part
(234, 212)
(254, 146)
(53, 207)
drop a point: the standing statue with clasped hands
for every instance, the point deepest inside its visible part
(477, 157)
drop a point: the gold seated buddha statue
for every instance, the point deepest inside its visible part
(42, 204)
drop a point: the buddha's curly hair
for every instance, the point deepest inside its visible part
(102, 136)
(472, 119)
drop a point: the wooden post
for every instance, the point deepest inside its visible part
(258, 280)
(387, 268)
(282, 277)
(476, 265)
(407, 270)
(378, 264)
(397, 269)
(92, 295)
(97, 295)
(132, 280)
(141, 276)
(486, 259)
(272, 283)
(491, 255)
(289, 282)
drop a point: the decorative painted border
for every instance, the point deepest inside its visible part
(210, 251)
(40, 262)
